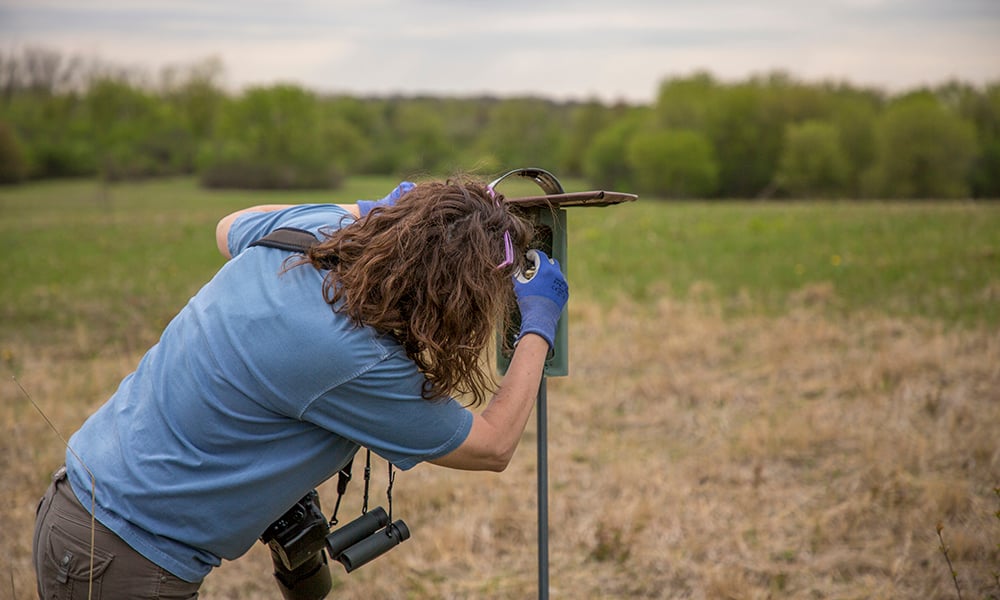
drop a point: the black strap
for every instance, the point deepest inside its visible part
(368, 478)
(343, 478)
(292, 239)
(288, 238)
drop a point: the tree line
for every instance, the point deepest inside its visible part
(768, 136)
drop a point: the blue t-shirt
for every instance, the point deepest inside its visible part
(256, 393)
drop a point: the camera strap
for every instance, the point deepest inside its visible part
(368, 478)
(388, 490)
(291, 239)
(344, 477)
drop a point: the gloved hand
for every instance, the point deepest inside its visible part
(366, 206)
(542, 297)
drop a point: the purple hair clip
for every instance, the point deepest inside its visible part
(508, 246)
(508, 249)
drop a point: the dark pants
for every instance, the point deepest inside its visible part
(62, 556)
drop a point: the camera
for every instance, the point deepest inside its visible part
(299, 533)
(297, 541)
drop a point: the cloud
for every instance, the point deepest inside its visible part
(556, 48)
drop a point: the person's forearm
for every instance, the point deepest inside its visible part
(497, 430)
(510, 408)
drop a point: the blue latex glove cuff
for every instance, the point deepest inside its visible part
(366, 206)
(540, 316)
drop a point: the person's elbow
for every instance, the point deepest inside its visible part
(222, 231)
(498, 462)
(464, 460)
(222, 238)
(479, 454)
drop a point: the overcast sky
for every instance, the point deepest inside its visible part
(609, 49)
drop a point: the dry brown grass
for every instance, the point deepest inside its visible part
(691, 456)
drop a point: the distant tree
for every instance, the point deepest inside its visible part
(372, 118)
(38, 71)
(793, 101)
(686, 102)
(980, 107)
(135, 132)
(673, 163)
(465, 121)
(586, 121)
(746, 125)
(986, 169)
(271, 137)
(523, 132)
(767, 134)
(923, 151)
(605, 163)
(853, 113)
(812, 163)
(362, 114)
(13, 164)
(346, 146)
(196, 95)
(420, 143)
(54, 133)
(746, 132)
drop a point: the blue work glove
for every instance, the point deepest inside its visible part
(542, 297)
(366, 206)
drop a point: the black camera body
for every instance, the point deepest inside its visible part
(299, 533)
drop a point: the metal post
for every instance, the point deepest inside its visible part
(543, 493)
(549, 218)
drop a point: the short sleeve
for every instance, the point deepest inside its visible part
(250, 227)
(382, 410)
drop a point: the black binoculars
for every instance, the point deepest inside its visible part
(366, 538)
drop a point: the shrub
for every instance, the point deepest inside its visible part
(256, 173)
(604, 163)
(924, 151)
(675, 164)
(13, 164)
(812, 163)
(65, 158)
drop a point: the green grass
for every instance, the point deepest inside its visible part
(935, 260)
(117, 261)
(124, 258)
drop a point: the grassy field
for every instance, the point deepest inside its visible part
(766, 399)
(931, 260)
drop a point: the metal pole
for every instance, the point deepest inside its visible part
(543, 494)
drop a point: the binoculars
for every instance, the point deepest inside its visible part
(366, 538)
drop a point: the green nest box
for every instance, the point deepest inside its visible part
(548, 214)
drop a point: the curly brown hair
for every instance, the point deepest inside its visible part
(425, 271)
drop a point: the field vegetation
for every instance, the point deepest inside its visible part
(766, 399)
(771, 135)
